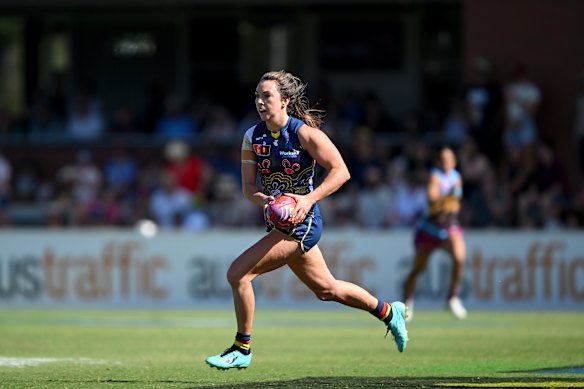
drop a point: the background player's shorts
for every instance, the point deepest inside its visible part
(429, 236)
(309, 232)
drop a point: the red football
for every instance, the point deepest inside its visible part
(280, 210)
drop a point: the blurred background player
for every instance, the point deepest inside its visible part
(283, 148)
(440, 228)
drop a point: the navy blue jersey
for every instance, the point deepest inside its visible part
(285, 167)
(283, 164)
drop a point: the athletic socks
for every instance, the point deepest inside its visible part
(383, 312)
(242, 343)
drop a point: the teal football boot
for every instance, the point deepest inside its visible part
(397, 325)
(230, 358)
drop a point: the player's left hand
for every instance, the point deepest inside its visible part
(303, 206)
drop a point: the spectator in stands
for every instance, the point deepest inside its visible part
(351, 107)
(474, 165)
(343, 207)
(26, 180)
(362, 154)
(551, 175)
(170, 203)
(551, 183)
(227, 207)
(82, 181)
(482, 101)
(522, 101)
(337, 126)
(225, 159)
(106, 209)
(489, 206)
(86, 122)
(374, 202)
(120, 171)
(518, 174)
(455, 127)
(409, 199)
(190, 170)
(417, 153)
(220, 126)
(175, 122)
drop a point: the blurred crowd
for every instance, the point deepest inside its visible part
(513, 177)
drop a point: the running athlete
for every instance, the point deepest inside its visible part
(440, 228)
(283, 149)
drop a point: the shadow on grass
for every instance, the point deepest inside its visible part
(401, 382)
(555, 370)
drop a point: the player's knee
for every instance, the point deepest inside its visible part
(234, 276)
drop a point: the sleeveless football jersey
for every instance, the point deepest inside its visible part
(451, 203)
(441, 218)
(283, 165)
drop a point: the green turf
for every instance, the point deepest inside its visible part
(330, 348)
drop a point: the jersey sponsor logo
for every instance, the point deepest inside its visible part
(262, 150)
(290, 154)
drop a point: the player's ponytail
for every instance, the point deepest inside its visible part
(292, 87)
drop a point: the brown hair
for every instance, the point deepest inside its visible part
(292, 87)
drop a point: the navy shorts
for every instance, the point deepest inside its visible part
(307, 233)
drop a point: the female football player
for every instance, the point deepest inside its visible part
(440, 228)
(283, 149)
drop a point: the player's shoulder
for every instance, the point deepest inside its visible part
(252, 129)
(436, 172)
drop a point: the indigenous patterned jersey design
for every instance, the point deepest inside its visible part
(283, 165)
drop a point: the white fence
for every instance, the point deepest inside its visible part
(118, 268)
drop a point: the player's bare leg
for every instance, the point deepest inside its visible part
(312, 270)
(420, 263)
(457, 249)
(269, 253)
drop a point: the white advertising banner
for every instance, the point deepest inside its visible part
(118, 268)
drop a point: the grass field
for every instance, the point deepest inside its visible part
(292, 349)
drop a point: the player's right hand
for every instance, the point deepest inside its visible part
(266, 205)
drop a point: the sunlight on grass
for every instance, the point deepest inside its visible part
(166, 349)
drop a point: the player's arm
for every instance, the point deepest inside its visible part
(249, 173)
(457, 189)
(433, 189)
(326, 154)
